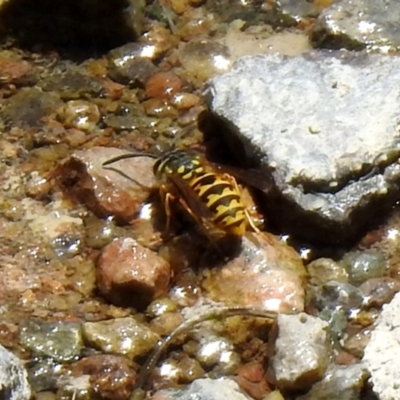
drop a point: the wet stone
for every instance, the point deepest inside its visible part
(16, 72)
(378, 291)
(337, 295)
(205, 389)
(204, 58)
(251, 378)
(359, 24)
(43, 374)
(382, 353)
(163, 85)
(302, 351)
(333, 160)
(254, 12)
(13, 377)
(110, 376)
(131, 63)
(130, 274)
(117, 191)
(28, 107)
(268, 275)
(324, 270)
(339, 383)
(123, 336)
(364, 265)
(80, 114)
(74, 84)
(61, 341)
(185, 370)
(356, 344)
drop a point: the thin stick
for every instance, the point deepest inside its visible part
(213, 313)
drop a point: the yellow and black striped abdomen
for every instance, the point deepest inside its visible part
(221, 197)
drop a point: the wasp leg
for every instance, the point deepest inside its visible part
(167, 197)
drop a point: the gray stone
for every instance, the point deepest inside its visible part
(206, 389)
(341, 382)
(13, 377)
(61, 341)
(302, 351)
(358, 24)
(382, 353)
(312, 122)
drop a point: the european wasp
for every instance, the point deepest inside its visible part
(208, 193)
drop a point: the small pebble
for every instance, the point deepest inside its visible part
(163, 84)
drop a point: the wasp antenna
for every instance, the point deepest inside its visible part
(127, 155)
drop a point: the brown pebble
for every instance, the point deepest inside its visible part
(15, 72)
(183, 101)
(163, 84)
(110, 375)
(130, 274)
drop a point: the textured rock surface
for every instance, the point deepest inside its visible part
(13, 377)
(302, 351)
(359, 24)
(311, 121)
(268, 275)
(339, 383)
(382, 354)
(205, 389)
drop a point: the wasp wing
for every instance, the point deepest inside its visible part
(256, 178)
(193, 205)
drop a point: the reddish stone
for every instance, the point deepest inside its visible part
(15, 72)
(110, 376)
(130, 274)
(163, 84)
(118, 190)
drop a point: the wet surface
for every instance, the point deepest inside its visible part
(95, 275)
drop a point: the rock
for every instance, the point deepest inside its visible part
(13, 377)
(255, 12)
(132, 63)
(339, 383)
(218, 351)
(16, 72)
(44, 374)
(382, 353)
(251, 378)
(302, 351)
(364, 265)
(356, 344)
(128, 273)
(174, 371)
(323, 190)
(204, 58)
(80, 114)
(73, 84)
(358, 24)
(123, 336)
(117, 190)
(163, 85)
(323, 270)
(267, 275)
(378, 291)
(109, 376)
(28, 107)
(204, 389)
(61, 341)
(337, 295)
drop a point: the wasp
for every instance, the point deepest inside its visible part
(209, 195)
